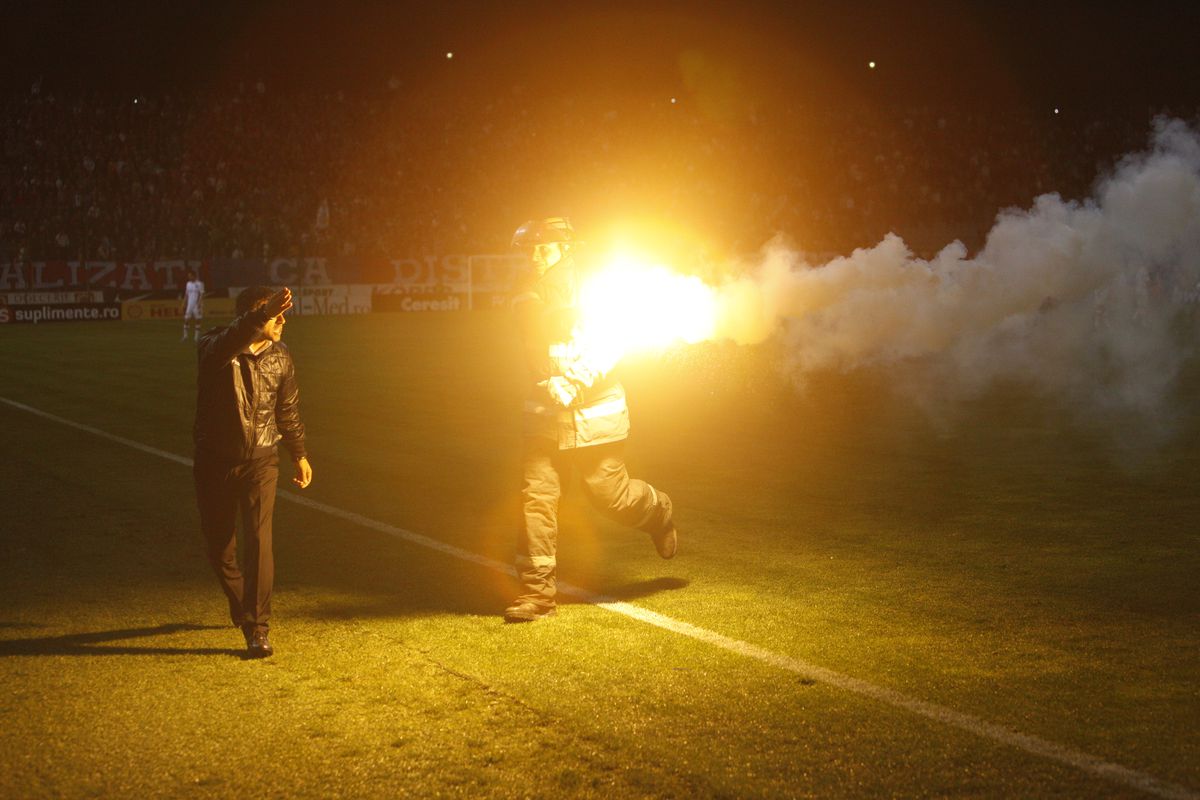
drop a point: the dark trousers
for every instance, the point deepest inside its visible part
(606, 481)
(224, 491)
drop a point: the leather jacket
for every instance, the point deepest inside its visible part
(245, 403)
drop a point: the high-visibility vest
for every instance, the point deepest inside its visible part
(546, 311)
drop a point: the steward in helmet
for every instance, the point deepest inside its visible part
(575, 418)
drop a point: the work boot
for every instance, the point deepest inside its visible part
(529, 610)
(666, 540)
(260, 645)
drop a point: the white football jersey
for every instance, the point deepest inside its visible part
(194, 291)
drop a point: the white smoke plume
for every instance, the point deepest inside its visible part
(1091, 303)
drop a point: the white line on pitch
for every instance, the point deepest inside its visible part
(989, 730)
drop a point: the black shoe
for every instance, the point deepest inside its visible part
(260, 645)
(247, 632)
(529, 611)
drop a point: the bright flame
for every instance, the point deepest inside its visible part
(633, 306)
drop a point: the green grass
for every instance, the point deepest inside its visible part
(1012, 568)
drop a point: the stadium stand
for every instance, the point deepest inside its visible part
(251, 173)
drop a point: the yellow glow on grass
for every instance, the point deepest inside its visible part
(632, 305)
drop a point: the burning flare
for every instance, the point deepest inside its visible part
(633, 306)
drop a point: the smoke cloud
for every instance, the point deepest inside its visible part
(1091, 303)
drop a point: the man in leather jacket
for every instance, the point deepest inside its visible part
(247, 402)
(575, 419)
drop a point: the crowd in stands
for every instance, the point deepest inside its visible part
(249, 173)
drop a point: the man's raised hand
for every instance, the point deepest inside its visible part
(278, 303)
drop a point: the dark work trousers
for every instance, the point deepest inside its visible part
(606, 481)
(225, 491)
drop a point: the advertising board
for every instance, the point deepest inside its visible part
(60, 312)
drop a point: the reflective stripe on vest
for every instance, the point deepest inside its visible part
(607, 408)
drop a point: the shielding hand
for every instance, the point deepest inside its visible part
(562, 390)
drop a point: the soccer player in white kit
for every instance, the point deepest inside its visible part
(193, 305)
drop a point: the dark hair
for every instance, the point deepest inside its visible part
(251, 297)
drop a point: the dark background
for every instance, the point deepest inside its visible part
(963, 52)
(136, 131)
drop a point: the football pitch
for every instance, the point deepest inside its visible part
(865, 603)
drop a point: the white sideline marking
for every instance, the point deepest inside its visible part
(957, 719)
(112, 437)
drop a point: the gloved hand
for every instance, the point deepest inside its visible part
(561, 390)
(581, 374)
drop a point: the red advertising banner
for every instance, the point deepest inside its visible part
(41, 276)
(451, 274)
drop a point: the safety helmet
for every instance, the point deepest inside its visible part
(544, 231)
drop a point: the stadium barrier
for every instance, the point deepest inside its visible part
(143, 308)
(481, 271)
(38, 298)
(152, 290)
(334, 299)
(59, 312)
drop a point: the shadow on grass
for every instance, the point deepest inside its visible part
(635, 591)
(485, 601)
(399, 606)
(92, 644)
(422, 595)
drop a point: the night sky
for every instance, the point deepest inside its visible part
(966, 52)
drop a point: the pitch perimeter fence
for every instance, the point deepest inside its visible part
(64, 291)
